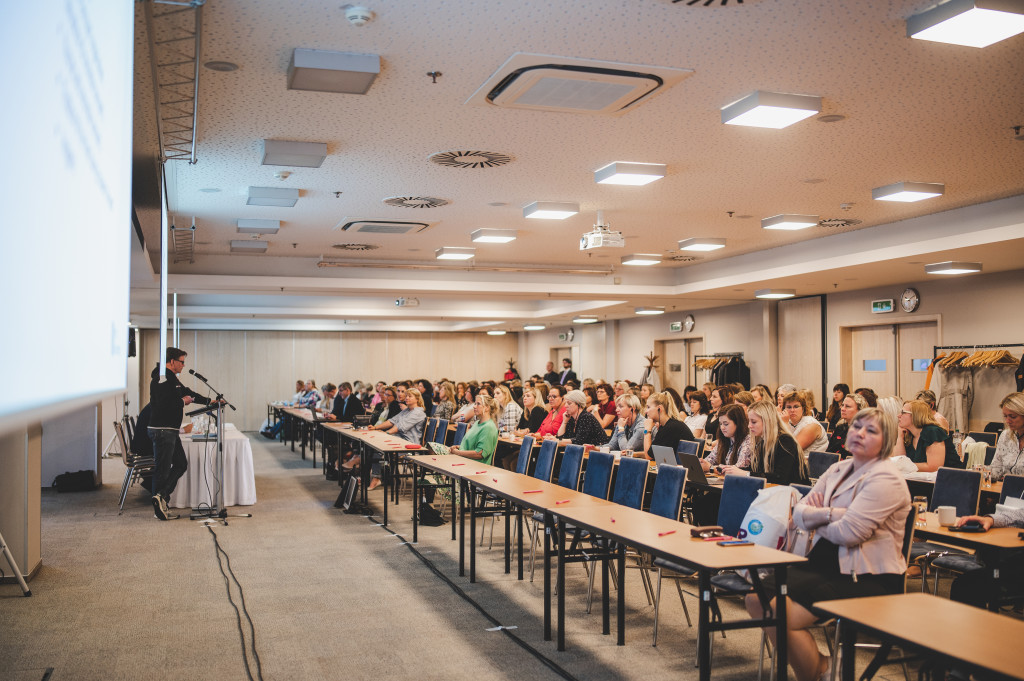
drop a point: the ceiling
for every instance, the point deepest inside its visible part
(913, 111)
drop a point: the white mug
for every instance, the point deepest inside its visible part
(947, 515)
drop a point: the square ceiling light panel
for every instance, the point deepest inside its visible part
(908, 192)
(550, 210)
(493, 236)
(248, 246)
(247, 226)
(326, 71)
(548, 83)
(272, 196)
(294, 154)
(636, 174)
(789, 222)
(770, 109)
(972, 23)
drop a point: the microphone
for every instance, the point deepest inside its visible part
(197, 375)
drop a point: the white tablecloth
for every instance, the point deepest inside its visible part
(199, 484)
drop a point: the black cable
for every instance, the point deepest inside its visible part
(238, 615)
(544, 660)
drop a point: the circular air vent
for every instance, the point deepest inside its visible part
(684, 258)
(356, 247)
(838, 223)
(415, 201)
(470, 159)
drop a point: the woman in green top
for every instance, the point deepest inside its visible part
(923, 440)
(482, 438)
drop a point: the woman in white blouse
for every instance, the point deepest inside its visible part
(805, 429)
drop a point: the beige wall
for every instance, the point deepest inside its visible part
(252, 368)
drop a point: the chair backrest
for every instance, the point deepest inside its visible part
(572, 466)
(987, 438)
(1013, 486)
(598, 480)
(525, 452)
(956, 487)
(737, 493)
(695, 447)
(824, 426)
(667, 495)
(819, 462)
(429, 430)
(803, 489)
(631, 482)
(990, 453)
(129, 428)
(545, 460)
(440, 431)
(129, 457)
(908, 532)
(460, 432)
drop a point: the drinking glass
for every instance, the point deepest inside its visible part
(986, 476)
(921, 504)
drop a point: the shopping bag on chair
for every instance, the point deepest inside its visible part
(768, 518)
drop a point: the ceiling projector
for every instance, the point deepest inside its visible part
(601, 237)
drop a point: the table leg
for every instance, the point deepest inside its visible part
(703, 621)
(993, 585)
(606, 623)
(508, 538)
(462, 525)
(519, 539)
(289, 428)
(384, 481)
(621, 605)
(560, 583)
(416, 473)
(547, 576)
(451, 483)
(848, 645)
(472, 533)
(781, 650)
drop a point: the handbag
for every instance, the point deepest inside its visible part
(769, 517)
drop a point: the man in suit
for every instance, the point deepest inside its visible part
(346, 405)
(567, 373)
(551, 376)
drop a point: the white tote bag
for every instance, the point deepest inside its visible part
(768, 519)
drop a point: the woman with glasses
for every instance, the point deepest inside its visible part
(923, 440)
(804, 427)
(604, 409)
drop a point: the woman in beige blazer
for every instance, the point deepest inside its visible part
(858, 511)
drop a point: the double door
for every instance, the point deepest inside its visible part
(891, 359)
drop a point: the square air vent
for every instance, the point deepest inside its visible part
(381, 226)
(546, 83)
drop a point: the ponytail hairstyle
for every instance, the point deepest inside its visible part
(665, 401)
(490, 404)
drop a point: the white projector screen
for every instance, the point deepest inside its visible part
(66, 185)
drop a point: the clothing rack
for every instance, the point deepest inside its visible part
(936, 348)
(960, 357)
(719, 354)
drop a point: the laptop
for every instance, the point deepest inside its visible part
(663, 454)
(361, 421)
(316, 416)
(695, 472)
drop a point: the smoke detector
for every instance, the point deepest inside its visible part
(358, 15)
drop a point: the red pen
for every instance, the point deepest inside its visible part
(494, 479)
(612, 519)
(479, 472)
(458, 464)
(664, 534)
(532, 491)
(562, 501)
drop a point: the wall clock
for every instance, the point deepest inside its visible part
(910, 300)
(688, 323)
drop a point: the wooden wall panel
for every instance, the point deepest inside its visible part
(363, 356)
(318, 356)
(220, 357)
(454, 356)
(800, 349)
(270, 373)
(492, 354)
(410, 356)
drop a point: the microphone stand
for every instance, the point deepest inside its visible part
(217, 509)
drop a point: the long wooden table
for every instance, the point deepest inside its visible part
(952, 632)
(659, 536)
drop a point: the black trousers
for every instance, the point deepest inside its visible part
(171, 462)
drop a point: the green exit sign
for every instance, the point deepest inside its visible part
(880, 306)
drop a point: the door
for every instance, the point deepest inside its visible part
(873, 359)
(672, 361)
(915, 345)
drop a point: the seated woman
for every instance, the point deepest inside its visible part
(929, 398)
(445, 408)
(509, 412)
(923, 440)
(851, 404)
(805, 429)
(604, 409)
(776, 455)
(832, 415)
(699, 408)
(784, 389)
(481, 440)
(869, 396)
(858, 511)
(734, 444)
(1009, 456)
(722, 396)
(579, 427)
(646, 390)
(761, 393)
(663, 425)
(406, 424)
(426, 389)
(534, 411)
(629, 430)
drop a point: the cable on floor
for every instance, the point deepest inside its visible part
(238, 615)
(543, 659)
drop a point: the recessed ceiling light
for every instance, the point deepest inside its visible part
(636, 174)
(585, 319)
(907, 192)
(222, 66)
(952, 267)
(454, 253)
(774, 293)
(250, 226)
(327, 71)
(493, 236)
(496, 332)
(701, 244)
(973, 23)
(272, 196)
(789, 222)
(550, 210)
(650, 310)
(770, 109)
(294, 154)
(646, 259)
(533, 327)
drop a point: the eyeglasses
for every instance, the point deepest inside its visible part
(908, 413)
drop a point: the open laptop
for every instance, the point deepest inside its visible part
(695, 472)
(316, 416)
(663, 454)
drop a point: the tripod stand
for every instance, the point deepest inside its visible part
(14, 566)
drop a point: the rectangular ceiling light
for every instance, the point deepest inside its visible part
(650, 310)
(272, 196)
(774, 293)
(973, 23)
(247, 226)
(249, 246)
(496, 332)
(789, 222)
(952, 267)
(770, 109)
(585, 319)
(493, 236)
(641, 259)
(550, 210)
(294, 154)
(454, 253)
(327, 71)
(635, 174)
(908, 192)
(533, 327)
(700, 244)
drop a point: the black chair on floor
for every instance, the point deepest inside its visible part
(962, 490)
(987, 438)
(1013, 486)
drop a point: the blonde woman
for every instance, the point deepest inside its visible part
(445, 408)
(663, 425)
(535, 410)
(923, 440)
(482, 439)
(776, 457)
(1009, 457)
(509, 412)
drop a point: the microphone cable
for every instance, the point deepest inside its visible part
(219, 550)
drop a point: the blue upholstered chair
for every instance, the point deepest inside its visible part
(572, 467)
(695, 447)
(819, 462)
(525, 454)
(545, 460)
(962, 490)
(440, 431)
(460, 432)
(598, 480)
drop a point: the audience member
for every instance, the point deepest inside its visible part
(699, 408)
(509, 412)
(851, 404)
(556, 412)
(1009, 456)
(629, 430)
(579, 427)
(534, 411)
(663, 427)
(839, 393)
(604, 408)
(445, 408)
(776, 455)
(805, 428)
(923, 440)
(482, 439)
